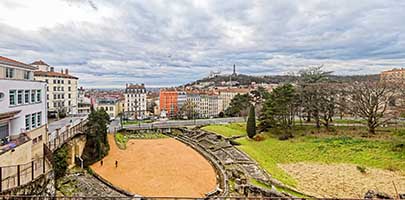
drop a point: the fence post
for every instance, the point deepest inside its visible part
(32, 170)
(1, 179)
(18, 175)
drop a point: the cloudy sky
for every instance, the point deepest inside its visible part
(107, 43)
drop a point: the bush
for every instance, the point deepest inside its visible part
(361, 169)
(259, 138)
(285, 136)
(60, 163)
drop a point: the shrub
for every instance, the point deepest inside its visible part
(285, 136)
(60, 163)
(361, 169)
(259, 138)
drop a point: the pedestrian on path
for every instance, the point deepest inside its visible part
(116, 163)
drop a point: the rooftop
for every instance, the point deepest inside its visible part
(136, 86)
(11, 62)
(39, 62)
(54, 74)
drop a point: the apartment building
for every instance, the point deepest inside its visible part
(135, 101)
(209, 105)
(83, 103)
(61, 91)
(168, 102)
(112, 106)
(23, 116)
(393, 75)
(226, 95)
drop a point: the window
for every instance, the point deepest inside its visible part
(54, 88)
(10, 73)
(69, 88)
(27, 122)
(47, 88)
(33, 122)
(4, 130)
(39, 138)
(38, 95)
(32, 96)
(34, 141)
(58, 81)
(27, 75)
(46, 80)
(68, 81)
(26, 96)
(70, 95)
(63, 82)
(69, 103)
(19, 97)
(47, 96)
(12, 97)
(63, 88)
(39, 119)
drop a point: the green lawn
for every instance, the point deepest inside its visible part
(227, 130)
(338, 145)
(378, 153)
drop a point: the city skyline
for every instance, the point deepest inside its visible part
(167, 43)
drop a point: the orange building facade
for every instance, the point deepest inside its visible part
(168, 102)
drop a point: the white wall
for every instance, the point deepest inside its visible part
(17, 124)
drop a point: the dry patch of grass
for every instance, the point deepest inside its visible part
(342, 180)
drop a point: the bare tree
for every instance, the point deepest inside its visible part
(370, 100)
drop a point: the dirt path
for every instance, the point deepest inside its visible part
(342, 180)
(158, 167)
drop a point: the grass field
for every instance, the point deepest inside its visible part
(227, 130)
(339, 145)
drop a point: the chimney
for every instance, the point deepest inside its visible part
(52, 69)
(61, 71)
(66, 71)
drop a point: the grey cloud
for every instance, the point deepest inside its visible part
(173, 42)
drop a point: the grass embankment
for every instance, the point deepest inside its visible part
(340, 145)
(121, 139)
(227, 130)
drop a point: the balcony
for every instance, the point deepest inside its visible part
(7, 144)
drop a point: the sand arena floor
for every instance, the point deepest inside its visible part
(158, 167)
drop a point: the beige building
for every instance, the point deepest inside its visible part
(395, 75)
(112, 106)
(23, 120)
(62, 89)
(226, 95)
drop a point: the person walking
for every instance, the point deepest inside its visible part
(116, 163)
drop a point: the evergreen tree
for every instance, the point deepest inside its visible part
(251, 123)
(97, 143)
(279, 108)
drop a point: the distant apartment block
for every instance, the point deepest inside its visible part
(83, 103)
(23, 116)
(171, 101)
(112, 106)
(226, 95)
(135, 101)
(62, 89)
(393, 75)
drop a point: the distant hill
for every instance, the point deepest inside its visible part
(276, 79)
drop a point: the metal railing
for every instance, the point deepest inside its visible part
(61, 135)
